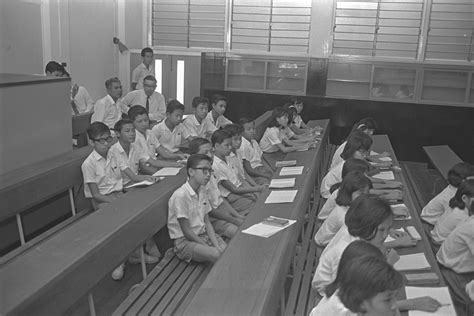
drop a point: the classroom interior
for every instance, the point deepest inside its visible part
(406, 63)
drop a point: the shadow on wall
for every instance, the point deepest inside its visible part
(409, 126)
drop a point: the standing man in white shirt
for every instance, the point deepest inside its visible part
(147, 97)
(146, 68)
(107, 109)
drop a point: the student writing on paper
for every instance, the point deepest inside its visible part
(440, 203)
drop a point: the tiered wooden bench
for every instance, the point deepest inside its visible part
(442, 158)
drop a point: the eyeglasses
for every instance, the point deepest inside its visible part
(104, 141)
(205, 170)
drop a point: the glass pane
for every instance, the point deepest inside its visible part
(448, 86)
(245, 82)
(393, 83)
(288, 76)
(349, 89)
(247, 74)
(471, 93)
(352, 72)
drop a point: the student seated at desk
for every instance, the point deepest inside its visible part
(239, 195)
(218, 107)
(251, 154)
(170, 132)
(366, 284)
(151, 100)
(198, 125)
(440, 203)
(278, 136)
(296, 124)
(223, 216)
(456, 258)
(107, 109)
(235, 159)
(128, 155)
(457, 213)
(147, 142)
(188, 215)
(146, 68)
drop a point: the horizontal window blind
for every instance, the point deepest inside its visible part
(271, 25)
(189, 23)
(451, 27)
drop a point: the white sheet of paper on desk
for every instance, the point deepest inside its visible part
(441, 294)
(281, 196)
(390, 238)
(385, 175)
(167, 172)
(141, 184)
(264, 230)
(285, 163)
(291, 171)
(416, 261)
(385, 159)
(282, 183)
(303, 149)
(373, 153)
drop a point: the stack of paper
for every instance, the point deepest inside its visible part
(264, 230)
(141, 183)
(285, 163)
(416, 261)
(282, 183)
(385, 159)
(166, 172)
(441, 294)
(291, 171)
(282, 196)
(385, 175)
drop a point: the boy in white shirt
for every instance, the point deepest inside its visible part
(218, 107)
(188, 220)
(198, 125)
(146, 68)
(170, 132)
(251, 154)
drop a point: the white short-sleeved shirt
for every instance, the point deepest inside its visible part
(470, 290)
(331, 306)
(187, 203)
(223, 170)
(235, 160)
(213, 192)
(332, 177)
(251, 151)
(83, 100)
(457, 251)
(328, 206)
(448, 222)
(297, 121)
(274, 136)
(196, 129)
(170, 139)
(336, 158)
(140, 72)
(328, 263)
(156, 103)
(107, 111)
(147, 144)
(221, 120)
(104, 172)
(438, 205)
(331, 225)
(131, 160)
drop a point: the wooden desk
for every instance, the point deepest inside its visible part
(442, 158)
(249, 277)
(381, 144)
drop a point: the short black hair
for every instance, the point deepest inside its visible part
(365, 214)
(200, 100)
(53, 66)
(196, 144)
(146, 50)
(465, 188)
(351, 164)
(356, 141)
(108, 82)
(136, 110)
(219, 136)
(174, 105)
(150, 77)
(96, 129)
(352, 182)
(292, 112)
(234, 129)
(365, 124)
(279, 111)
(195, 159)
(244, 120)
(459, 172)
(120, 123)
(217, 97)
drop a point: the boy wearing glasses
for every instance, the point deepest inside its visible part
(147, 97)
(188, 220)
(102, 178)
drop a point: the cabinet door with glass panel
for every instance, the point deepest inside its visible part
(390, 82)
